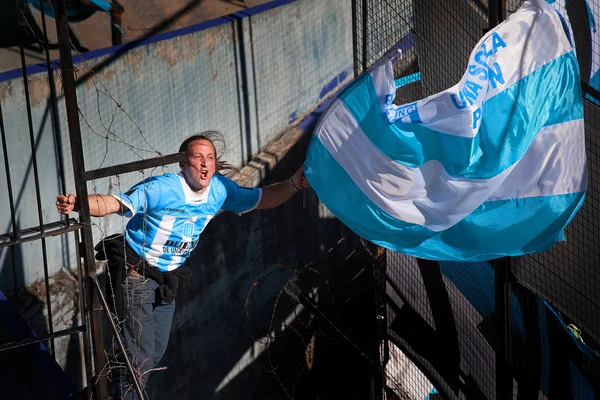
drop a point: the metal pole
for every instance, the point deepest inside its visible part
(365, 39)
(117, 336)
(496, 12)
(68, 78)
(504, 379)
(355, 35)
(504, 384)
(53, 106)
(85, 319)
(36, 175)
(116, 10)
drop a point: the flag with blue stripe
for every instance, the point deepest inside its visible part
(493, 166)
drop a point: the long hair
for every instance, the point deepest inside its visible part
(218, 143)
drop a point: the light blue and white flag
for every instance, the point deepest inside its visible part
(493, 166)
(588, 38)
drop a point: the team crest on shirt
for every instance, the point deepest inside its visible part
(188, 229)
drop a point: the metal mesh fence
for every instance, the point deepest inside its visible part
(441, 330)
(259, 315)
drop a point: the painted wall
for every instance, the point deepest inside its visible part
(249, 76)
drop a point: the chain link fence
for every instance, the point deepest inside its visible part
(441, 330)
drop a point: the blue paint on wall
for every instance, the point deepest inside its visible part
(168, 95)
(309, 122)
(259, 9)
(293, 116)
(90, 55)
(407, 42)
(333, 84)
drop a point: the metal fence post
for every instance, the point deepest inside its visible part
(93, 313)
(504, 379)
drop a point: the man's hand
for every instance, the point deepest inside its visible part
(299, 180)
(65, 203)
(278, 193)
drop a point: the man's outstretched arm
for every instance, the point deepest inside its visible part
(100, 204)
(278, 193)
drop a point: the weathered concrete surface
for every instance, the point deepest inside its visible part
(219, 347)
(94, 33)
(250, 79)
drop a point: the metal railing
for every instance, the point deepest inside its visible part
(92, 303)
(548, 281)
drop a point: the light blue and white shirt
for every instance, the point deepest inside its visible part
(167, 217)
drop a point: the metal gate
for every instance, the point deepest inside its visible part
(553, 294)
(21, 346)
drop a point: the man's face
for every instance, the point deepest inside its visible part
(199, 165)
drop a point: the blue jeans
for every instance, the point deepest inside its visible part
(146, 325)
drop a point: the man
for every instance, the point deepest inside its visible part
(168, 214)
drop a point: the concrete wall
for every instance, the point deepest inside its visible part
(248, 76)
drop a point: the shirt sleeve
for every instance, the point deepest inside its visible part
(140, 198)
(240, 199)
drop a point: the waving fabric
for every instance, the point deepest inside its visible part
(493, 166)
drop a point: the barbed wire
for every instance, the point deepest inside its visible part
(290, 284)
(110, 135)
(114, 364)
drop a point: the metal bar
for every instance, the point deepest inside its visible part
(496, 12)
(55, 124)
(52, 229)
(493, 14)
(53, 106)
(13, 219)
(85, 313)
(117, 336)
(503, 348)
(116, 11)
(254, 82)
(482, 7)
(68, 78)
(504, 379)
(11, 200)
(28, 104)
(36, 177)
(134, 166)
(355, 36)
(129, 45)
(365, 41)
(586, 88)
(38, 339)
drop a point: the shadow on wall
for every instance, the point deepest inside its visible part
(9, 27)
(240, 268)
(209, 335)
(32, 371)
(442, 315)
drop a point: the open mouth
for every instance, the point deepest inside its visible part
(204, 173)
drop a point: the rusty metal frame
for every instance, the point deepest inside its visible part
(92, 303)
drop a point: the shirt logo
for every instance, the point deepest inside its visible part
(188, 229)
(177, 210)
